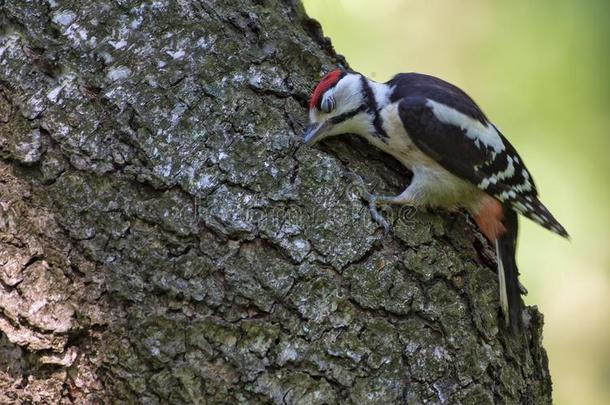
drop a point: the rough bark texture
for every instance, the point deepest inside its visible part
(165, 238)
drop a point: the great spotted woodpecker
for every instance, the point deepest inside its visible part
(457, 156)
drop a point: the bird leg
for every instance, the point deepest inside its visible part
(375, 200)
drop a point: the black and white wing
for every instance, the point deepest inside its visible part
(446, 124)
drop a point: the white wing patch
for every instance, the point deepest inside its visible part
(479, 133)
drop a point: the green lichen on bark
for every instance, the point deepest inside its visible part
(195, 251)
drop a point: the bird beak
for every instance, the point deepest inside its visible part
(315, 132)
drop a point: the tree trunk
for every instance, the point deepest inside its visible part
(166, 238)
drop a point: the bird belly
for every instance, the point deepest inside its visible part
(434, 186)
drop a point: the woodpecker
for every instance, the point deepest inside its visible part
(457, 156)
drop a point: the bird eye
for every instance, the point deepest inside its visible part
(327, 104)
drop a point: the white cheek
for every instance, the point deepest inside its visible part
(350, 101)
(349, 92)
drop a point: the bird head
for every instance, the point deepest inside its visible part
(337, 106)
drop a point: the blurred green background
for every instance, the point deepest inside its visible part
(540, 70)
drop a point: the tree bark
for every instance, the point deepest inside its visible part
(166, 238)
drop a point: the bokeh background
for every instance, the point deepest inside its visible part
(540, 70)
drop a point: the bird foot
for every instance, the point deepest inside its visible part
(372, 201)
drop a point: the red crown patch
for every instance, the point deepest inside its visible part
(328, 81)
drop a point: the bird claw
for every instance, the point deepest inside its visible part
(371, 200)
(377, 217)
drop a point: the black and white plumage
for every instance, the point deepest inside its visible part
(457, 156)
(445, 123)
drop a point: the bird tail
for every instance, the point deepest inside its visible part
(532, 208)
(508, 273)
